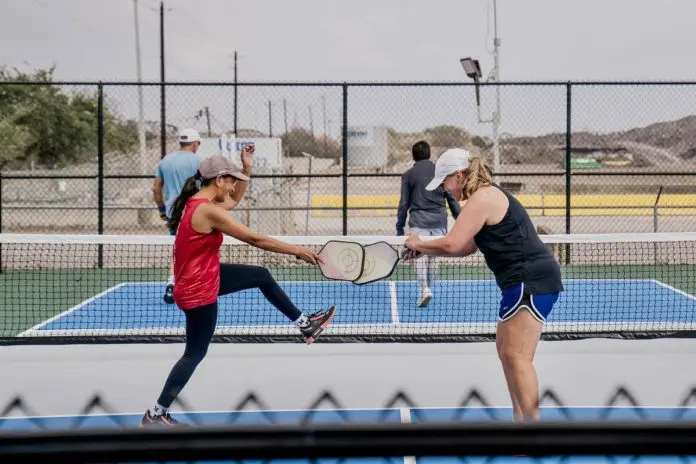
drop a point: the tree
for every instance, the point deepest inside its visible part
(447, 136)
(51, 125)
(301, 140)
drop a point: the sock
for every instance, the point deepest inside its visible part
(302, 321)
(170, 281)
(158, 410)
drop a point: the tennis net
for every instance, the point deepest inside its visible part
(101, 288)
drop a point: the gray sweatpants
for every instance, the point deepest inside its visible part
(426, 266)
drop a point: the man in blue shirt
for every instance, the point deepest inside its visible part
(172, 172)
(426, 213)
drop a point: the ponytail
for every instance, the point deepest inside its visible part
(477, 175)
(189, 189)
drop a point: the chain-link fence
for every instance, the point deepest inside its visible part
(583, 157)
(397, 432)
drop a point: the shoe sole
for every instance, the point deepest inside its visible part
(425, 301)
(310, 340)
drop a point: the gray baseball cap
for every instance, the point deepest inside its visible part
(219, 165)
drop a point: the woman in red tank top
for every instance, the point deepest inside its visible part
(201, 216)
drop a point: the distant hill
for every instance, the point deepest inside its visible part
(672, 142)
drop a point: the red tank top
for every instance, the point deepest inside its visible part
(196, 262)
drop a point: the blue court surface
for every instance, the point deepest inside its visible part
(379, 415)
(619, 304)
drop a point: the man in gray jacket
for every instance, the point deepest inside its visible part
(426, 211)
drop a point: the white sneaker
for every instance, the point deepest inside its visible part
(425, 297)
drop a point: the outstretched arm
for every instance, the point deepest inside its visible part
(460, 239)
(224, 222)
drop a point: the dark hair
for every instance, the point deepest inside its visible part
(189, 189)
(420, 150)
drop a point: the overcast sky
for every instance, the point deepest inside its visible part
(374, 40)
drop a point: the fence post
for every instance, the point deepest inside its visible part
(656, 226)
(163, 118)
(344, 142)
(1, 221)
(568, 165)
(100, 167)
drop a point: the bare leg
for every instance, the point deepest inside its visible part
(518, 338)
(516, 410)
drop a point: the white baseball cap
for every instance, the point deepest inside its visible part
(451, 161)
(188, 136)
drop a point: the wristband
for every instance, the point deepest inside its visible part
(162, 209)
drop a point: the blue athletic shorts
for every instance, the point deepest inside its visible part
(516, 298)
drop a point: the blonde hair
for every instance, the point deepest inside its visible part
(477, 175)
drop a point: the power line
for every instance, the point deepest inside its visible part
(68, 16)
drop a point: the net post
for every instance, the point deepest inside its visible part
(344, 141)
(100, 169)
(567, 167)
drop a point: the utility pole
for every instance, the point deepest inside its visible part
(285, 114)
(235, 93)
(270, 119)
(496, 76)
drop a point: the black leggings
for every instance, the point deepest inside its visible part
(200, 322)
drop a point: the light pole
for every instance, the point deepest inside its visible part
(141, 116)
(473, 71)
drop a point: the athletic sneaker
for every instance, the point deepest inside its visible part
(317, 323)
(425, 297)
(169, 294)
(164, 420)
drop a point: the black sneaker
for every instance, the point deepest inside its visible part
(164, 420)
(169, 294)
(317, 323)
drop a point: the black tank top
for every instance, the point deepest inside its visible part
(515, 253)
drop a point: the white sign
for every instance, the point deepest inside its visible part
(368, 146)
(268, 153)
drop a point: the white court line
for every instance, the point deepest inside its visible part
(676, 290)
(425, 328)
(73, 309)
(394, 302)
(396, 327)
(273, 411)
(491, 280)
(405, 414)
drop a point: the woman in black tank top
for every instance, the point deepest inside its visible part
(528, 276)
